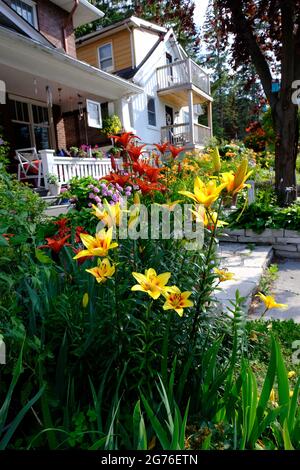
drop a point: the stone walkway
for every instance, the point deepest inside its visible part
(247, 262)
(286, 290)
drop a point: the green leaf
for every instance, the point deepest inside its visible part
(286, 437)
(283, 386)
(42, 257)
(160, 432)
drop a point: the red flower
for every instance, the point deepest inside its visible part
(62, 226)
(135, 152)
(175, 151)
(56, 244)
(117, 178)
(147, 187)
(124, 139)
(162, 147)
(78, 231)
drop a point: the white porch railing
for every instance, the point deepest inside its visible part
(180, 134)
(182, 72)
(66, 168)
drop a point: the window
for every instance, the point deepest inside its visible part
(31, 124)
(94, 114)
(106, 58)
(26, 9)
(151, 111)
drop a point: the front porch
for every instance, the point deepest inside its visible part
(47, 96)
(183, 135)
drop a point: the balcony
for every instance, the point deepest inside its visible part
(186, 135)
(177, 78)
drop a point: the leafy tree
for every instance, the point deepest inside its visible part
(237, 96)
(265, 34)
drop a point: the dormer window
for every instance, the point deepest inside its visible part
(106, 57)
(26, 9)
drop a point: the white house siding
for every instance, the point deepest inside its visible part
(143, 42)
(146, 78)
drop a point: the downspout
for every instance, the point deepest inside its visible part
(67, 22)
(133, 58)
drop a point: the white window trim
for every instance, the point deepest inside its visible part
(99, 126)
(112, 68)
(34, 10)
(31, 122)
(155, 112)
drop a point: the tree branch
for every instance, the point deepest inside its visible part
(246, 36)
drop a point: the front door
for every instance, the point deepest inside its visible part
(169, 116)
(170, 122)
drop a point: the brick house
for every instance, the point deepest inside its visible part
(48, 98)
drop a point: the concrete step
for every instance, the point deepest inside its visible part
(247, 264)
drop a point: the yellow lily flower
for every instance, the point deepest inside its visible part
(204, 193)
(224, 275)
(98, 245)
(209, 219)
(235, 182)
(152, 283)
(103, 271)
(109, 215)
(291, 374)
(270, 301)
(177, 300)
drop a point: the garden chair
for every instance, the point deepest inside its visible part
(30, 165)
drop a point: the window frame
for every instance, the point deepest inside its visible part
(99, 125)
(30, 123)
(31, 4)
(112, 67)
(149, 97)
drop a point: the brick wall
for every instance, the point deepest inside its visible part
(70, 131)
(51, 20)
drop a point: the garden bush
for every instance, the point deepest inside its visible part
(118, 343)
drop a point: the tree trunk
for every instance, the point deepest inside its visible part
(285, 116)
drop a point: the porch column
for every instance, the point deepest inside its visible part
(209, 117)
(47, 163)
(191, 117)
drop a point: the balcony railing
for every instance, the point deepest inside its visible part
(180, 134)
(182, 72)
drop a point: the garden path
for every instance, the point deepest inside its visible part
(286, 290)
(247, 262)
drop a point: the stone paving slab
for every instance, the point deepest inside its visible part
(247, 264)
(286, 290)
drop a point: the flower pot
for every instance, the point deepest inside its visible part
(54, 188)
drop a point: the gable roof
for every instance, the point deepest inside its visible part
(133, 21)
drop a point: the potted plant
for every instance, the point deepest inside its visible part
(54, 184)
(74, 151)
(111, 125)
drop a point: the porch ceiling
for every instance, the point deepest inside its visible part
(179, 96)
(23, 60)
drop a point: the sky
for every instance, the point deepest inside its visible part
(199, 15)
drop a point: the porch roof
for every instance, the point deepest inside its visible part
(21, 57)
